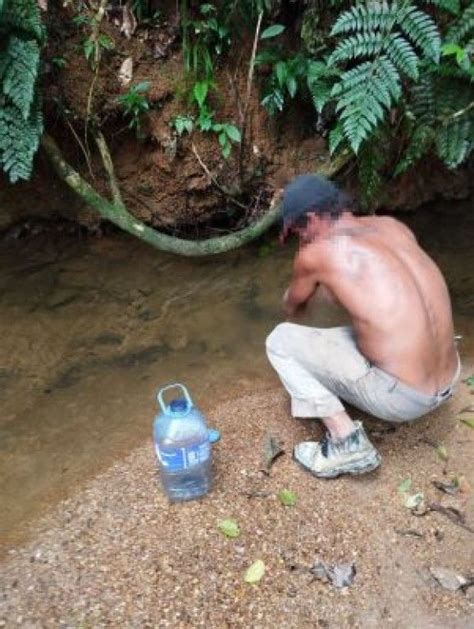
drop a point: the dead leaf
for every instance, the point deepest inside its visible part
(467, 409)
(272, 449)
(340, 575)
(451, 488)
(409, 533)
(453, 514)
(125, 74)
(129, 22)
(449, 579)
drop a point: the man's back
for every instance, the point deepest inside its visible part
(395, 295)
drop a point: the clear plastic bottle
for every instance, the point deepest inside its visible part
(182, 447)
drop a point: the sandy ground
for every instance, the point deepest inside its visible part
(118, 554)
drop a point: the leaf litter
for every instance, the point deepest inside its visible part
(339, 575)
(287, 497)
(255, 572)
(450, 579)
(229, 528)
(272, 449)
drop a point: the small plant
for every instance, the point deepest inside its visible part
(59, 62)
(90, 46)
(183, 123)
(135, 104)
(226, 134)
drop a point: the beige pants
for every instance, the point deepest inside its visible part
(318, 366)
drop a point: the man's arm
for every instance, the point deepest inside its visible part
(302, 286)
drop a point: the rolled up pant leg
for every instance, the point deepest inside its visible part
(317, 366)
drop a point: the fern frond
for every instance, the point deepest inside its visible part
(19, 141)
(450, 6)
(23, 15)
(372, 159)
(336, 138)
(364, 93)
(462, 27)
(422, 30)
(403, 55)
(420, 143)
(20, 71)
(454, 141)
(320, 79)
(365, 18)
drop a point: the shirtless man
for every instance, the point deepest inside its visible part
(398, 360)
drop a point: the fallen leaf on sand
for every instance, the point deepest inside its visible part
(404, 485)
(340, 575)
(125, 74)
(450, 488)
(272, 449)
(287, 497)
(449, 579)
(409, 533)
(467, 409)
(442, 452)
(229, 527)
(255, 572)
(469, 422)
(414, 500)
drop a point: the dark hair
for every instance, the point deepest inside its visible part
(312, 193)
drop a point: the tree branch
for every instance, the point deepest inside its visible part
(119, 215)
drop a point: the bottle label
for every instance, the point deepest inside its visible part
(177, 459)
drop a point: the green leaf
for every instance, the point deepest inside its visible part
(469, 421)
(255, 572)
(272, 31)
(469, 381)
(233, 132)
(223, 139)
(292, 86)
(226, 150)
(287, 497)
(200, 91)
(281, 72)
(404, 485)
(442, 452)
(229, 527)
(143, 86)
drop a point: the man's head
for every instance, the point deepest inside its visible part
(311, 198)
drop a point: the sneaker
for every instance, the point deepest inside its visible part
(329, 458)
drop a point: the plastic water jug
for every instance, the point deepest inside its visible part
(182, 447)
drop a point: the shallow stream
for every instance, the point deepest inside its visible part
(91, 328)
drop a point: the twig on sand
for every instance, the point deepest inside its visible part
(456, 516)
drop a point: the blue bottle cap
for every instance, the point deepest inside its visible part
(179, 405)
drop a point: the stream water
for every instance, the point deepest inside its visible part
(91, 328)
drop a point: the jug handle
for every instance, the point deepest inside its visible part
(159, 397)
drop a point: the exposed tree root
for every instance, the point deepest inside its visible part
(116, 212)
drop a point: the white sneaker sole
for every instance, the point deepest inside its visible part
(367, 464)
